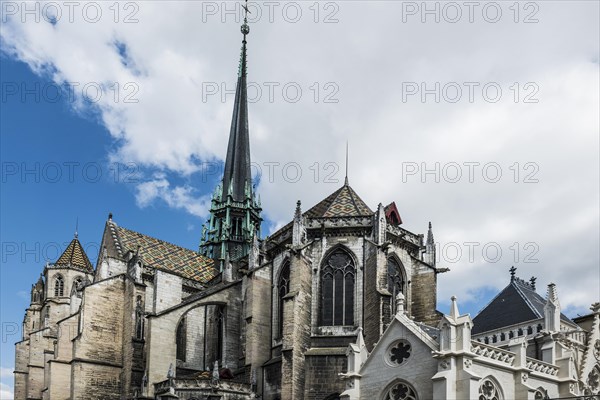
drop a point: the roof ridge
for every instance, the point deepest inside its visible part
(524, 297)
(491, 301)
(353, 194)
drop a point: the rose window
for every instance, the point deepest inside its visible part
(399, 353)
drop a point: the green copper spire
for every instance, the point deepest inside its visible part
(235, 213)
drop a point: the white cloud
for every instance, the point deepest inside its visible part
(6, 373)
(6, 392)
(179, 197)
(367, 55)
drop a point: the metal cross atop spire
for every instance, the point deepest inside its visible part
(245, 31)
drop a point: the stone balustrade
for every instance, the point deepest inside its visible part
(493, 353)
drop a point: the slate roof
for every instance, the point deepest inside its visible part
(74, 256)
(344, 202)
(516, 303)
(164, 256)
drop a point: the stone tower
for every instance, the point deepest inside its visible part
(235, 211)
(53, 298)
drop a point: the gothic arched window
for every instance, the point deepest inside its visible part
(219, 316)
(46, 316)
(181, 339)
(401, 391)
(395, 280)
(139, 319)
(337, 289)
(489, 390)
(77, 283)
(59, 286)
(283, 288)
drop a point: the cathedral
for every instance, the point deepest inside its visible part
(340, 303)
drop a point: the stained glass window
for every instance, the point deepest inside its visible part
(337, 289)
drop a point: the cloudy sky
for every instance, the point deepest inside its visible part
(482, 119)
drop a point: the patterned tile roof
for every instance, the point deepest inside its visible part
(74, 256)
(165, 256)
(344, 202)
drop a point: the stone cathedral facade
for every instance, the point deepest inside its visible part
(340, 303)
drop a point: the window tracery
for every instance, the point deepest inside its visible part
(400, 391)
(337, 289)
(488, 390)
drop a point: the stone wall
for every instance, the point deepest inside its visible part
(21, 369)
(167, 290)
(95, 381)
(98, 349)
(322, 377)
(297, 328)
(161, 331)
(257, 321)
(424, 295)
(372, 298)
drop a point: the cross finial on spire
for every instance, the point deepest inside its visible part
(532, 282)
(76, 227)
(512, 270)
(245, 31)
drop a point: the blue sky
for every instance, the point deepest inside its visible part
(365, 58)
(42, 203)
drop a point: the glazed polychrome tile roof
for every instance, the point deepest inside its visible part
(344, 202)
(74, 256)
(165, 256)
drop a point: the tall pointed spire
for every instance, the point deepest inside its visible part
(235, 212)
(346, 179)
(237, 174)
